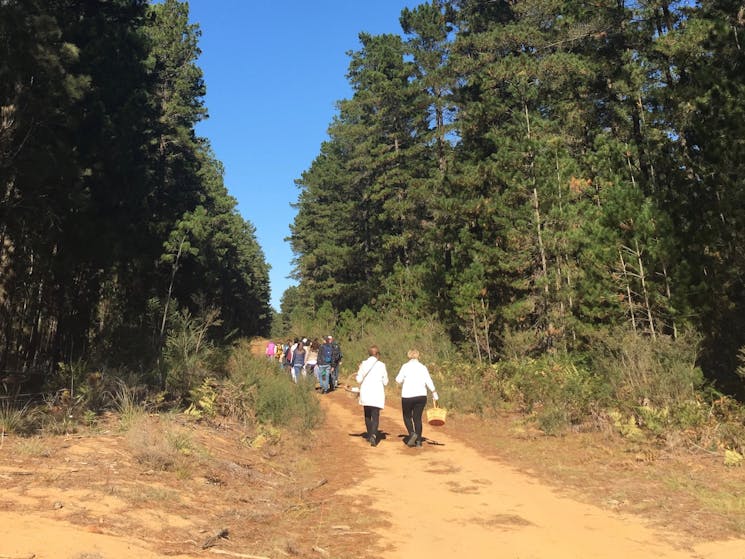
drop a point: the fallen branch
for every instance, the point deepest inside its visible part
(242, 555)
(703, 449)
(213, 539)
(321, 483)
(276, 470)
(304, 505)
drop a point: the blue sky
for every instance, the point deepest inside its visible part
(274, 72)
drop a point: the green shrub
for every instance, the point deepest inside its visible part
(126, 402)
(236, 399)
(553, 419)
(283, 403)
(658, 372)
(471, 387)
(16, 419)
(554, 382)
(189, 351)
(728, 418)
(554, 389)
(272, 396)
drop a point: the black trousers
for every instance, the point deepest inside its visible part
(372, 420)
(413, 409)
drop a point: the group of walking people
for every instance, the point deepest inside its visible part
(414, 379)
(304, 358)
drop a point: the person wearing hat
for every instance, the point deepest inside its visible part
(414, 379)
(372, 377)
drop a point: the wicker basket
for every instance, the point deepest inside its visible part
(436, 416)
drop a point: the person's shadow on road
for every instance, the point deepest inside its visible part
(425, 440)
(381, 436)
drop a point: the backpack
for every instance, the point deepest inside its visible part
(326, 354)
(335, 353)
(288, 355)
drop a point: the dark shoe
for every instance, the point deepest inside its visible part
(419, 442)
(373, 440)
(412, 439)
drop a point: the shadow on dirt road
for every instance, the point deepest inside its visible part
(447, 500)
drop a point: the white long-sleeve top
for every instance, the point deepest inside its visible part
(372, 376)
(415, 378)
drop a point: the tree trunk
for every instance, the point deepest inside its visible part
(170, 288)
(628, 290)
(644, 291)
(544, 264)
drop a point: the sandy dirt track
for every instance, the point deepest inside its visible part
(446, 500)
(441, 501)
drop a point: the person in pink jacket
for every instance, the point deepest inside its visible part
(372, 377)
(415, 380)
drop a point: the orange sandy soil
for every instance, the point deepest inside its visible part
(475, 490)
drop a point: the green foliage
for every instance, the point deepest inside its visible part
(394, 335)
(559, 392)
(652, 387)
(128, 405)
(626, 426)
(188, 351)
(732, 458)
(203, 400)
(741, 367)
(270, 395)
(102, 193)
(282, 403)
(16, 419)
(468, 387)
(659, 372)
(537, 174)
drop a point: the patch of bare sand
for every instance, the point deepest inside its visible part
(446, 500)
(88, 496)
(26, 535)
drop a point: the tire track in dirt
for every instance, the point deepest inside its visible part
(446, 500)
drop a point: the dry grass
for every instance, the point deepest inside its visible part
(158, 443)
(173, 481)
(33, 447)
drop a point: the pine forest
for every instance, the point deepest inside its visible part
(118, 238)
(526, 182)
(545, 177)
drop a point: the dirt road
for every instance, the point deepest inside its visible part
(326, 496)
(446, 500)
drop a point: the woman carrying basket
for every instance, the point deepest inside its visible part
(415, 380)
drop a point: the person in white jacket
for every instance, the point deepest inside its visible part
(372, 377)
(415, 380)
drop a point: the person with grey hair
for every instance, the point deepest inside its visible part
(414, 379)
(372, 377)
